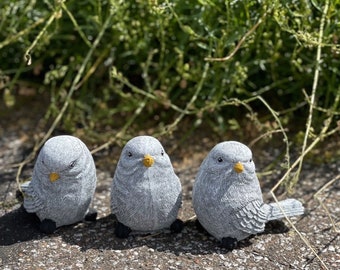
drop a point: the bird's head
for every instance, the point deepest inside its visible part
(59, 157)
(143, 150)
(231, 160)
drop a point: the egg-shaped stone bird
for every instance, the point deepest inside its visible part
(227, 197)
(62, 185)
(146, 193)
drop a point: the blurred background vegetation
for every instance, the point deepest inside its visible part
(119, 67)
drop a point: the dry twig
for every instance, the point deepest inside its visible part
(239, 44)
(68, 98)
(318, 196)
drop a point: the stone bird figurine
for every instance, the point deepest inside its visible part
(146, 194)
(63, 184)
(227, 197)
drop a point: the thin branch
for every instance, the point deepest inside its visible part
(285, 137)
(27, 30)
(297, 161)
(268, 133)
(93, 68)
(67, 101)
(304, 239)
(76, 25)
(317, 195)
(118, 76)
(239, 44)
(137, 111)
(314, 87)
(55, 14)
(123, 129)
(170, 127)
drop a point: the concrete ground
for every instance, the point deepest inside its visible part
(92, 245)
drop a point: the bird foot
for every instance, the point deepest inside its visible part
(177, 226)
(91, 215)
(229, 243)
(47, 226)
(122, 231)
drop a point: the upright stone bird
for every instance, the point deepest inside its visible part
(227, 197)
(63, 184)
(146, 194)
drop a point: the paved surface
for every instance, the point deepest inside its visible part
(94, 246)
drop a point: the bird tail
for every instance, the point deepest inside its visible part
(291, 207)
(32, 203)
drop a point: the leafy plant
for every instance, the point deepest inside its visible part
(220, 63)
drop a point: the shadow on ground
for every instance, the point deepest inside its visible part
(18, 226)
(193, 239)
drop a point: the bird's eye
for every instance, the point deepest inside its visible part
(43, 162)
(73, 163)
(220, 159)
(129, 154)
(251, 160)
(162, 153)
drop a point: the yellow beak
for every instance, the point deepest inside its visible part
(238, 167)
(148, 160)
(54, 176)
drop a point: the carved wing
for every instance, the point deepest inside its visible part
(252, 217)
(32, 202)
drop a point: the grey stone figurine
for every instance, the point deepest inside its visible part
(63, 184)
(227, 197)
(146, 194)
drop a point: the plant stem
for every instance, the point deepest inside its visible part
(314, 89)
(68, 98)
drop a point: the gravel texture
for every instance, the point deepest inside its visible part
(92, 245)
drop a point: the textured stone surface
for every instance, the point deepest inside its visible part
(94, 246)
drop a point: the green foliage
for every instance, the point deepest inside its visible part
(150, 63)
